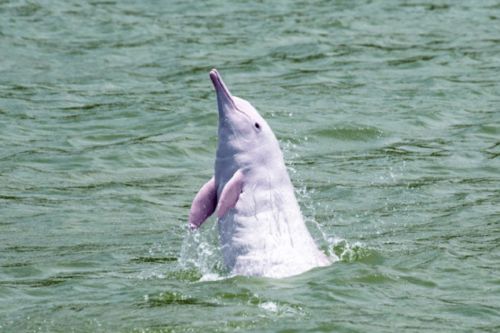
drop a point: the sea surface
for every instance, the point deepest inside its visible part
(388, 114)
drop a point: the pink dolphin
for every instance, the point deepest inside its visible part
(261, 229)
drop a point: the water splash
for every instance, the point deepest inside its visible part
(355, 252)
(200, 250)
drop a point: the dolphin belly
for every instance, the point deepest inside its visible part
(264, 235)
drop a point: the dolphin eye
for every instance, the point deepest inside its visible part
(257, 126)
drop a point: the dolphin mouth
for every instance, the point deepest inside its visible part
(223, 94)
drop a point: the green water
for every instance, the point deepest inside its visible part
(388, 113)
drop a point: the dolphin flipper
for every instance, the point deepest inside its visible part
(230, 193)
(203, 204)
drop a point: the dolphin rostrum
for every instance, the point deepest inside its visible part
(261, 229)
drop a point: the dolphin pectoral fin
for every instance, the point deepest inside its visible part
(230, 193)
(203, 205)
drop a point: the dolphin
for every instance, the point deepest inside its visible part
(261, 229)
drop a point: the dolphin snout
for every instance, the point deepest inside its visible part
(214, 76)
(223, 94)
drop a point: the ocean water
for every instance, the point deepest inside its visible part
(388, 113)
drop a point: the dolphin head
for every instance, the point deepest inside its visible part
(241, 128)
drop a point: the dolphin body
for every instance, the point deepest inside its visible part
(261, 229)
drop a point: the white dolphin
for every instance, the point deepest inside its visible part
(261, 229)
